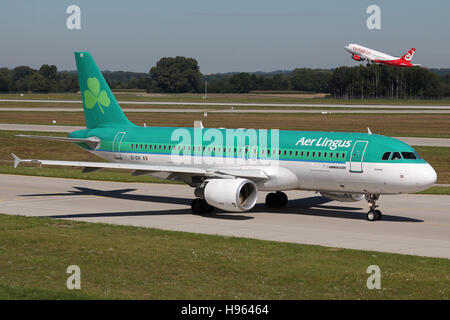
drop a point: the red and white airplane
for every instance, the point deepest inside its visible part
(360, 53)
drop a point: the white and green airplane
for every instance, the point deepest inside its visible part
(228, 167)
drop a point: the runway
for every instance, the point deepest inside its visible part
(248, 104)
(253, 110)
(413, 141)
(412, 224)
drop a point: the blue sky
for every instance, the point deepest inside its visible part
(224, 36)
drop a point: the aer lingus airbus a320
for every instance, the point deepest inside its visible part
(229, 167)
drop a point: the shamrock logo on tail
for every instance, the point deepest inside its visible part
(94, 96)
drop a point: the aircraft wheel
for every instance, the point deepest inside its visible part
(209, 208)
(371, 215)
(271, 200)
(276, 200)
(282, 199)
(378, 215)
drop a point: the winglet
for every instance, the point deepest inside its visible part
(17, 160)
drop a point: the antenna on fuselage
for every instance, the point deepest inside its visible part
(368, 130)
(198, 124)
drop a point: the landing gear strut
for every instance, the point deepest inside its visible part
(200, 206)
(276, 199)
(373, 214)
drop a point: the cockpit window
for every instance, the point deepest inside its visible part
(396, 156)
(417, 155)
(409, 155)
(386, 156)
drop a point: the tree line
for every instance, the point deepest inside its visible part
(181, 75)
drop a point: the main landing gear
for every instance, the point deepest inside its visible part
(373, 214)
(276, 199)
(200, 206)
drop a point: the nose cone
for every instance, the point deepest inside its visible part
(427, 177)
(424, 177)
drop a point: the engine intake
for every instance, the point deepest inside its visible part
(235, 195)
(343, 197)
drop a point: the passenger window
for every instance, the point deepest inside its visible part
(396, 156)
(325, 154)
(409, 155)
(343, 155)
(307, 154)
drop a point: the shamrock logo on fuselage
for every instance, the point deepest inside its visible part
(94, 96)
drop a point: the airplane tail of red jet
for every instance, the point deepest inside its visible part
(409, 55)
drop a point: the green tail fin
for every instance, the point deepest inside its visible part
(100, 106)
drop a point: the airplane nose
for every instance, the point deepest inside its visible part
(426, 177)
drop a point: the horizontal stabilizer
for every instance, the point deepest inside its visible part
(92, 142)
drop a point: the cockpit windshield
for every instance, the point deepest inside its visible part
(409, 155)
(396, 156)
(400, 155)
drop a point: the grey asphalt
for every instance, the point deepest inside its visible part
(173, 110)
(413, 141)
(246, 104)
(412, 224)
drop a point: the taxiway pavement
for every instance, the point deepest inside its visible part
(412, 224)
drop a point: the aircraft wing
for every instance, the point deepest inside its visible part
(138, 169)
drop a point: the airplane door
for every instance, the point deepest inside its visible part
(116, 145)
(357, 156)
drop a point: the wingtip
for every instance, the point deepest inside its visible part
(17, 160)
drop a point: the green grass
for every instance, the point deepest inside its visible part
(229, 97)
(138, 263)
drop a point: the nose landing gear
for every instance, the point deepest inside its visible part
(373, 214)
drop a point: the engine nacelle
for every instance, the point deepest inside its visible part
(343, 197)
(356, 57)
(235, 195)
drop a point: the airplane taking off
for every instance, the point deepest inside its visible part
(341, 166)
(360, 53)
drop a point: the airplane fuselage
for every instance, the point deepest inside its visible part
(361, 53)
(326, 161)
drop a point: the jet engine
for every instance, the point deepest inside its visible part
(235, 195)
(356, 57)
(343, 197)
